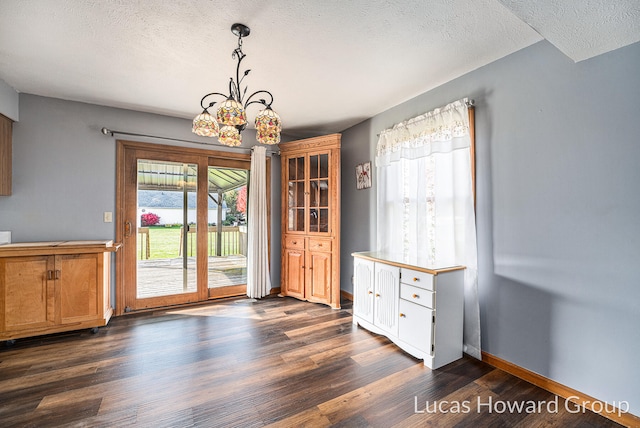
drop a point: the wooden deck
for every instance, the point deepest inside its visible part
(162, 277)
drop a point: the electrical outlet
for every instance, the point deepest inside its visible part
(108, 217)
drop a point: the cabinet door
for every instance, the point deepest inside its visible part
(27, 293)
(386, 290)
(319, 283)
(363, 289)
(416, 325)
(293, 273)
(320, 186)
(295, 175)
(79, 287)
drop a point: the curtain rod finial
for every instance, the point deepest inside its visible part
(106, 131)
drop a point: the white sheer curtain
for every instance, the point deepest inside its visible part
(258, 279)
(425, 200)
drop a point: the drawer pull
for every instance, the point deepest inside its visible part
(416, 279)
(294, 242)
(415, 296)
(402, 315)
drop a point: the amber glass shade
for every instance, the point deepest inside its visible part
(268, 127)
(230, 136)
(205, 125)
(231, 113)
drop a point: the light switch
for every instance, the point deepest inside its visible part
(108, 217)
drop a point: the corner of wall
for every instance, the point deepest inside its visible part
(9, 101)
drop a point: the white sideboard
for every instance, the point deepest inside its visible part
(419, 309)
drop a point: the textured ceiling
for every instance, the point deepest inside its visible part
(329, 64)
(582, 29)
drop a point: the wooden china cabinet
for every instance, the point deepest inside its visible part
(311, 219)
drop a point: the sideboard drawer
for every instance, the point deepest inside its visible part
(418, 295)
(416, 278)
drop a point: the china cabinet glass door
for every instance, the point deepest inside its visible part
(319, 193)
(296, 201)
(308, 194)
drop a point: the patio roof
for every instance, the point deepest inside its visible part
(170, 176)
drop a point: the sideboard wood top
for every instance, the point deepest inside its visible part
(410, 263)
(57, 247)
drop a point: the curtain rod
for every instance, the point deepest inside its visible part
(112, 132)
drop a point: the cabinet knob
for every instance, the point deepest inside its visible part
(377, 295)
(415, 296)
(370, 292)
(416, 279)
(402, 315)
(294, 242)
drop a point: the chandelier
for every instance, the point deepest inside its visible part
(231, 118)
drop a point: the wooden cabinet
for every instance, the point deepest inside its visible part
(311, 219)
(419, 309)
(51, 287)
(6, 131)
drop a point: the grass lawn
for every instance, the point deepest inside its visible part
(164, 243)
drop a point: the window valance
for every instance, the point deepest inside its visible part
(442, 130)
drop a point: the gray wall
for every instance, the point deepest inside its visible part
(557, 212)
(64, 170)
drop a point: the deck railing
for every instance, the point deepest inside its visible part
(233, 240)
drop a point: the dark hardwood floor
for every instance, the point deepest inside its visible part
(275, 362)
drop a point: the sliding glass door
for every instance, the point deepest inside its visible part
(166, 222)
(227, 238)
(182, 219)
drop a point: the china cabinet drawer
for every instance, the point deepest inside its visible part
(294, 242)
(416, 278)
(319, 244)
(418, 295)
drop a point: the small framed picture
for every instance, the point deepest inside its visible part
(363, 175)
